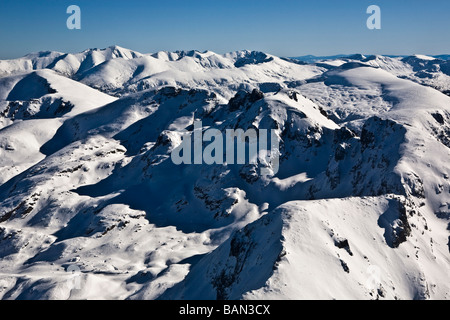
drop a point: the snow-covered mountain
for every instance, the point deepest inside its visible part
(93, 207)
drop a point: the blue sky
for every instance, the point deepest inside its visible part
(281, 27)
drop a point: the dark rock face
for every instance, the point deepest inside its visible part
(376, 129)
(415, 185)
(244, 99)
(253, 57)
(395, 222)
(170, 92)
(365, 164)
(343, 134)
(249, 173)
(340, 153)
(343, 244)
(441, 128)
(438, 117)
(324, 112)
(380, 144)
(345, 266)
(293, 95)
(21, 210)
(240, 248)
(63, 107)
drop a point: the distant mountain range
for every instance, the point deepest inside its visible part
(312, 58)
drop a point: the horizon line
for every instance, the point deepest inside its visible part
(337, 55)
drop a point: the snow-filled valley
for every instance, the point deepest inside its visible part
(92, 206)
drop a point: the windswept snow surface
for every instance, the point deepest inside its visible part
(92, 206)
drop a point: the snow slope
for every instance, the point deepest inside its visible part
(282, 256)
(33, 106)
(92, 206)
